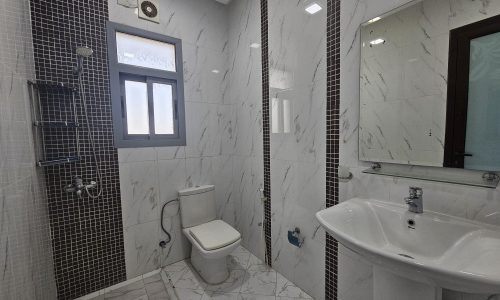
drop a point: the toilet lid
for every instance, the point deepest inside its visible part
(214, 234)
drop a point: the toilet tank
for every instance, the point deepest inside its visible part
(197, 205)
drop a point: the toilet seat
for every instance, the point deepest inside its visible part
(214, 235)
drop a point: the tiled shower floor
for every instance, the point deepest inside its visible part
(249, 279)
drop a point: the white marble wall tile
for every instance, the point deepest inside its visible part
(225, 200)
(226, 137)
(136, 154)
(25, 247)
(247, 173)
(172, 178)
(306, 139)
(179, 247)
(205, 74)
(199, 171)
(164, 153)
(202, 23)
(201, 129)
(297, 195)
(139, 192)
(247, 128)
(297, 41)
(142, 254)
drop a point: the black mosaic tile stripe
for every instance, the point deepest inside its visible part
(332, 139)
(87, 234)
(265, 128)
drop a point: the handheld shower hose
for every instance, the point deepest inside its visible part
(84, 52)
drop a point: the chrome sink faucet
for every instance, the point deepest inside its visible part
(415, 201)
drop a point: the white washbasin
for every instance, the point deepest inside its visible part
(439, 250)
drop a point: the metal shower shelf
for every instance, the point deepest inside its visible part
(54, 112)
(59, 161)
(56, 124)
(53, 87)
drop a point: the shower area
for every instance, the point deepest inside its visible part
(73, 136)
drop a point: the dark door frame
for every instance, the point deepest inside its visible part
(458, 87)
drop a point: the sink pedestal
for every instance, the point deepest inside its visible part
(389, 286)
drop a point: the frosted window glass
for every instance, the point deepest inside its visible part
(163, 108)
(142, 52)
(136, 97)
(483, 122)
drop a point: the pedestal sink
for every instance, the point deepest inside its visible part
(417, 254)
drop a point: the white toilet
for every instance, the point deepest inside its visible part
(212, 240)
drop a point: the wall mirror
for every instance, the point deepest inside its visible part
(430, 85)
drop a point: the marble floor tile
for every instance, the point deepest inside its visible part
(250, 279)
(220, 296)
(256, 264)
(155, 288)
(254, 297)
(285, 288)
(188, 294)
(238, 260)
(232, 285)
(260, 283)
(133, 291)
(187, 279)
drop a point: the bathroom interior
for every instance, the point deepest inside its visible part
(250, 149)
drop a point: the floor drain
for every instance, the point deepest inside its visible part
(404, 255)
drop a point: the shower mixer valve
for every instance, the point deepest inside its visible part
(78, 187)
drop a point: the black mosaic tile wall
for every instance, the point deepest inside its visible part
(265, 128)
(87, 234)
(332, 139)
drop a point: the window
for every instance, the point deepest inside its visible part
(147, 88)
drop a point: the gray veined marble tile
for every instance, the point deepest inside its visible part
(139, 192)
(136, 154)
(238, 260)
(256, 264)
(165, 153)
(199, 171)
(260, 283)
(219, 296)
(187, 278)
(286, 288)
(189, 294)
(143, 254)
(231, 285)
(155, 288)
(254, 297)
(131, 291)
(172, 178)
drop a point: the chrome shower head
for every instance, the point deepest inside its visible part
(84, 51)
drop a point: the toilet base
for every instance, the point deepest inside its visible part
(213, 271)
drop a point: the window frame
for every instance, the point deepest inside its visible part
(120, 72)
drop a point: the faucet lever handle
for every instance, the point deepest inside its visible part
(415, 191)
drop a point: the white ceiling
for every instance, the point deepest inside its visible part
(223, 1)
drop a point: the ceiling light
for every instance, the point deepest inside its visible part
(377, 41)
(374, 20)
(215, 71)
(313, 8)
(255, 45)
